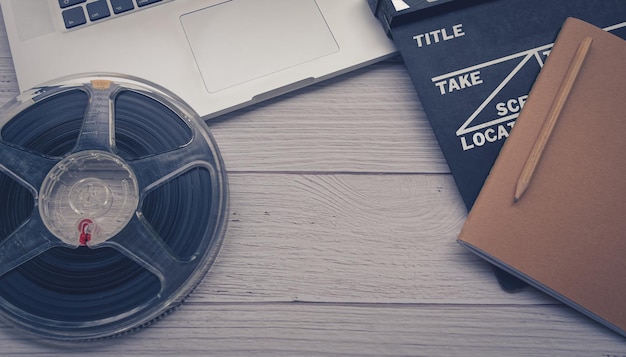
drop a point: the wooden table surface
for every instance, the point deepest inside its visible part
(341, 240)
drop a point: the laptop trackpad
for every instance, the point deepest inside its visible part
(240, 40)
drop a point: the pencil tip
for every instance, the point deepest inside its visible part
(515, 199)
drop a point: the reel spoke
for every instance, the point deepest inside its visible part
(154, 170)
(96, 132)
(139, 242)
(27, 167)
(27, 242)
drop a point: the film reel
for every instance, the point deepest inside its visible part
(113, 198)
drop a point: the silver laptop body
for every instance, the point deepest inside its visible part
(217, 55)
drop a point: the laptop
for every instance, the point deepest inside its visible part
(217, 55)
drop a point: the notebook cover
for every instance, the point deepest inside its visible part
(567, 234)
(473, 67)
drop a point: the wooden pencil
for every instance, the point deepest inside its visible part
(546, 130)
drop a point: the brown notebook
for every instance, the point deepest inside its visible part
(566, 234)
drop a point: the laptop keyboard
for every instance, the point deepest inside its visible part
(78, 13)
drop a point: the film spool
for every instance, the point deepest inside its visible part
(113, 198)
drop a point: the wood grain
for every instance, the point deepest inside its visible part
(300, 329)
(346, 124)
(341, 241)
(353, 239)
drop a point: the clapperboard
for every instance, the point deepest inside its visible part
(473, 64)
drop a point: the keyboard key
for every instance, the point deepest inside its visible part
(120, 6)
(146, 2)
(98, 10)
(74, 17)
(67, 3)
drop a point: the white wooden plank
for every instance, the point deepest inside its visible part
(366, 121)
(349, 238)
(8, 81)
(287, 329)
(4, 41)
